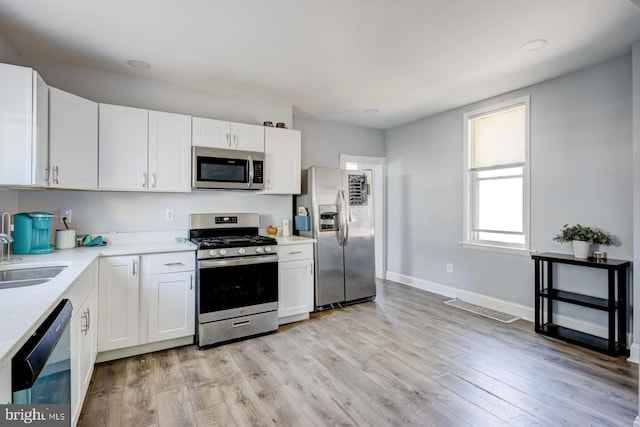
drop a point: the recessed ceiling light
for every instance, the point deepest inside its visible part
(371, 110)
(534, 44)
(140, 65)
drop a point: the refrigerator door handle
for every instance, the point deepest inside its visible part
(344, 224)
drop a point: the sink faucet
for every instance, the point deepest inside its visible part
(5, 237)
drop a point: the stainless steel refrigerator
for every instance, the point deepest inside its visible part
(340, 205)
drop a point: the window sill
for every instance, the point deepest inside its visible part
(497, 249)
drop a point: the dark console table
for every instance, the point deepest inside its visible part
(615, 304)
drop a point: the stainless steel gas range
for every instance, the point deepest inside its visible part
(237, 278)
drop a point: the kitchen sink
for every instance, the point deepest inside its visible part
(28, 276)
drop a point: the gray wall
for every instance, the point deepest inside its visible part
(323, 142)
(581, 172)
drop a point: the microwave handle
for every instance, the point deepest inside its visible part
(251, 171)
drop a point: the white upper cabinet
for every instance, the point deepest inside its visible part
(123, 133)
(24, 122)
(282, 158)
(247, 137)
(73, 141)
(169, 152)
(143, 150)
(230, 135)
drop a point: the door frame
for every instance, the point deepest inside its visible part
(379, 167)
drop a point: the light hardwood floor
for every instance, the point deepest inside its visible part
(404, 359)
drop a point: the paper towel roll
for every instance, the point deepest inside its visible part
(65, 239)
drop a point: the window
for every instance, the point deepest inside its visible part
(496, 169)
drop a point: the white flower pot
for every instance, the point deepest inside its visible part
(580, 249)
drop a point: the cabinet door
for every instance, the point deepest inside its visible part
(295, 286)
(73, 141)
(118, 297)
(247, 137)
(24, 122)
(169, 152)
(211, 133)
(84, 337)
(122, 148)
(89, 338)
(171, 300)
(282, 153)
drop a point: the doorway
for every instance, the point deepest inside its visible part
(378, 167)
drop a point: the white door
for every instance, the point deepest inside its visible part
(169, 152)
(123, 133)
(118, 299)
(282, 158)
(247, 137)
(73, 141)
(378, 167)
(171, 300)
(211, 133)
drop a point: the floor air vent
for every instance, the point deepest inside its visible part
(482, 311)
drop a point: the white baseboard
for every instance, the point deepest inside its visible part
(474, 298)
(120, 353)
(514, 309)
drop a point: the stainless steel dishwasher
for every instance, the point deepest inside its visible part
(41, 370)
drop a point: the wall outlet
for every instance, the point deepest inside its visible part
(64, 213)
(169, 215)
(449, 267)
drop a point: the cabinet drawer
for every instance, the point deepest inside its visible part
(295, 252)
(171, 262)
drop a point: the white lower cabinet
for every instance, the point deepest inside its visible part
(118, 296)
(145, 299)
(295, 282)
(5, 384)
(84, 336)
(170, 296)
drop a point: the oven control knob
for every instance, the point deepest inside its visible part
(223, 252)
(259, 250)
(213, 253)
(267, 248)
(241, 251)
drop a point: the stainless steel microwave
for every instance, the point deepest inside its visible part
(227, 169)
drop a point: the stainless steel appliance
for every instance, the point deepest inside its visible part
(237, 277)
(341, 209)
(227, 169)
(41, 370)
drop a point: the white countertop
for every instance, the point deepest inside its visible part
(22, 310)
(293, 240)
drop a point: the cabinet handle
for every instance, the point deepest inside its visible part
(191, 281)
(88, 319)
(228, 136)
(296, 252)
(85, 325)
(135, 268)
(153, 180)
(173, 264)
(144, 179)
(235, 140)
(47, 178)
(310, 269)
(55, 174)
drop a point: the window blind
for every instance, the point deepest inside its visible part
(498, 138)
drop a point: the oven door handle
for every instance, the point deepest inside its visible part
(232, 262)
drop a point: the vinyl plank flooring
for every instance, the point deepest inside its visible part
(405, 359)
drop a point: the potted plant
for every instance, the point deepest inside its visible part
(582, 238)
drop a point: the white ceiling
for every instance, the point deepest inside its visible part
(330, 59)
